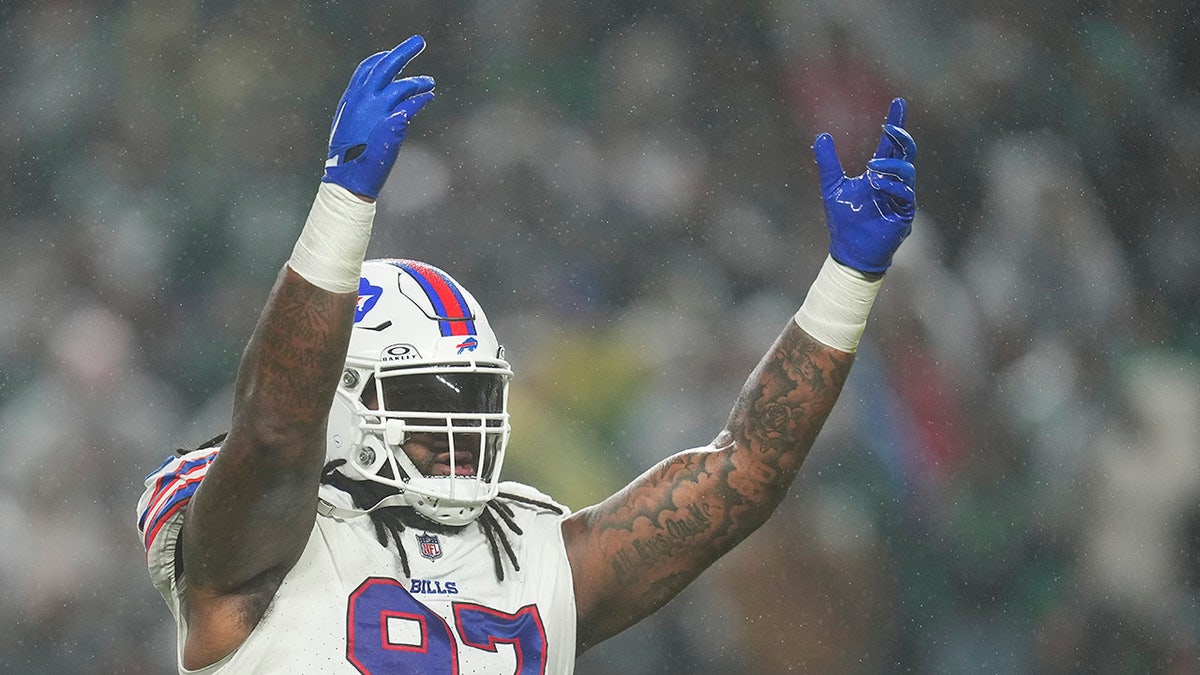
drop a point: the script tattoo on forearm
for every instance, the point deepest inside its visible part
(698, 505)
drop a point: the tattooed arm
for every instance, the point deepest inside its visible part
(636, 550)
(248, 522)
(251, 516)
(639, 548)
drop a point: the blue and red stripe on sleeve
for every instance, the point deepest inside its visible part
(169, 489)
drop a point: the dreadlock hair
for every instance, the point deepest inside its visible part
(390, 521)
(212, 442)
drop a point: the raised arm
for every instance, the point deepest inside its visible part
(636, 550)
(251, 517)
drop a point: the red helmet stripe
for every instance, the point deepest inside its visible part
(454, 315)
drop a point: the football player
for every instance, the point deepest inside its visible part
(353, 518)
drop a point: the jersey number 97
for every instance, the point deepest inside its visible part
(390, 631)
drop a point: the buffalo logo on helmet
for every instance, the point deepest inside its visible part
(468, 345)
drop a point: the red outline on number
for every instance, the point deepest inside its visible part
(388, 581)
(493, 640)
(422, 648)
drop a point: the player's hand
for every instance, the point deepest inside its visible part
(870, 215)
(372, 119)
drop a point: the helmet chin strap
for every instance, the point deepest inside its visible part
(330, 510)
(452, 513)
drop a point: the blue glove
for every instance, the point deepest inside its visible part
(870, 215)
(372, 119)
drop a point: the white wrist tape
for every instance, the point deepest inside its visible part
(330, 251)
(835, 311)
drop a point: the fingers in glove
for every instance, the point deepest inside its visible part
(363, 71)
(897, 113)
(899, 169)
(899, 194)
(829, 167)
(903, 145)
(394, 61)
(408, 109)
(407, 88)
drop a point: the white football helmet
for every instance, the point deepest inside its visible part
(423, 364)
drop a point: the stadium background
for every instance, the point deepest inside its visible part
(1011, 482)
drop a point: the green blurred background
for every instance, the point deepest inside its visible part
(1011, 482)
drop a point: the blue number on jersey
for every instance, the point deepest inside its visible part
(429, 647)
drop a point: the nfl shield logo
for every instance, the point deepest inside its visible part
(429, 545)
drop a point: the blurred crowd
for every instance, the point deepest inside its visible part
(1011, 482)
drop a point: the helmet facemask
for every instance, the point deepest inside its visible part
(417, 409)
(453, 420)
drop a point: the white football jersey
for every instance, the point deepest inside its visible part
(347, 606)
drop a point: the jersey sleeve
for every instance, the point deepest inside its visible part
(160, 513)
